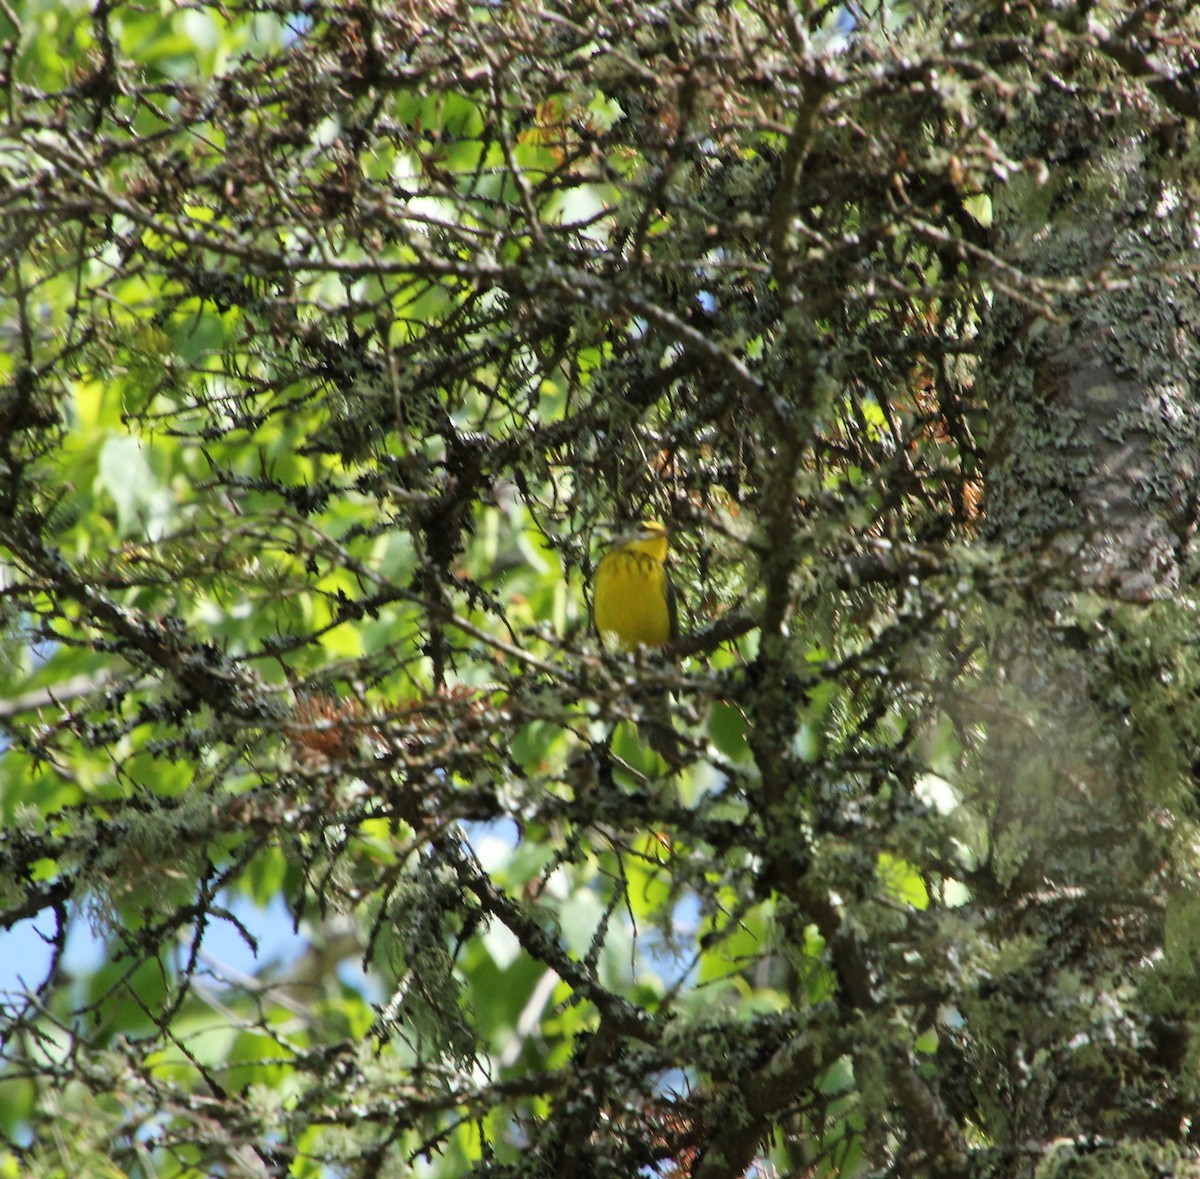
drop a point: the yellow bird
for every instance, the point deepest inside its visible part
(633, 604)
(633, 598)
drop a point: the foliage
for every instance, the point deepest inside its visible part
(335, 335)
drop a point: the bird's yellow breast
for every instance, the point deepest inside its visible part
(632, 596)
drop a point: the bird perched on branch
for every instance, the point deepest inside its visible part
(633, 598)
(633, 604)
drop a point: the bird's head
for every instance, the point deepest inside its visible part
(645, 536)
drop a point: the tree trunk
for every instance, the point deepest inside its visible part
(1091, 495)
